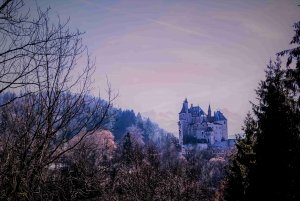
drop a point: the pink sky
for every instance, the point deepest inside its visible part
(156, 53)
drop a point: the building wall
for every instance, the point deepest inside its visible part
(200, 127)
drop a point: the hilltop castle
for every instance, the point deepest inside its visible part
(196, 127)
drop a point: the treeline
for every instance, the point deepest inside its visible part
(117, 121)
(124, 121)
(140, 162)
(99, 169)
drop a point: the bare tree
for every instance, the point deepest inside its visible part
(83, 173)
(25, 41)
(39, 60)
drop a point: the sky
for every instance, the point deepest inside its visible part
(157, 53)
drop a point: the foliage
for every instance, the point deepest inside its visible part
(122, 120)
(242, 163)
(266, 164)
(49, 105)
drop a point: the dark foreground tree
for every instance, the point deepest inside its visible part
(293, 65)
(242, 163)
(266, 165)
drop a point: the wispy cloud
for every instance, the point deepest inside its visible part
(158, 22)
(178, 28)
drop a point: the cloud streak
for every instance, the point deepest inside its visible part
(179, 28)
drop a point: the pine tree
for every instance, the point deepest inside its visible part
(242, 163)
(266, 164)
(274, 135)
(292, 84)
(127, 149)
(293, 72)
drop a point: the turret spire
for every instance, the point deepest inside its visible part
(209, 113)
(184, 107)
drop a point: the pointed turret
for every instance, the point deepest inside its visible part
(209, 113)
(182, 109)
(185, 106)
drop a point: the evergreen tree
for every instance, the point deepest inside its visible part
(242, 162)
(123, 120)
(271, 143)
(293, 72)
(127, 149)
(292, 84)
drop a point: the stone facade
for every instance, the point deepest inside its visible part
(197, 127)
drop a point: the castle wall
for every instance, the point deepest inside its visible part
(194, 122)
(224, 129)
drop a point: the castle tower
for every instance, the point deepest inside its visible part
(183, 118)
(185, 105)
(200, 129)
(209, 114)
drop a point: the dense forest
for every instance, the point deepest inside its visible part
(58, 142)
(129, 157)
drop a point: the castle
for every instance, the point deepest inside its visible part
(196, 127)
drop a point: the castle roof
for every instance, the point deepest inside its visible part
(182, 110)
(196, 111)
(218, 116)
